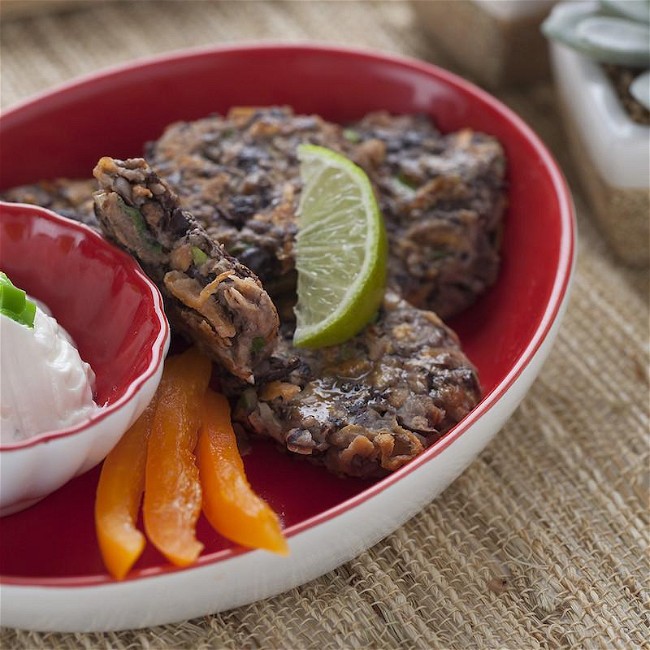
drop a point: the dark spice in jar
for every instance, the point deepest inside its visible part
(622, 77)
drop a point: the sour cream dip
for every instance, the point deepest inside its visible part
(44, 383)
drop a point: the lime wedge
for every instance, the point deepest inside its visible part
(340, 249)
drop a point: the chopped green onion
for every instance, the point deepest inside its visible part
(14, 303)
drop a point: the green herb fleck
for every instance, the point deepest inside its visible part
(258, 344)
(238, 248)
(247, 401)
(198, 256)
(140, 225)
(374, 319)
(351, 135)
(135, 214)
(404, 180)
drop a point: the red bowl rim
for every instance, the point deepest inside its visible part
(552, 311)
(158, 342)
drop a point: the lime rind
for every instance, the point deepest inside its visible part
(322, 226)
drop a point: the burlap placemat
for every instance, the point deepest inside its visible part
(543, 541)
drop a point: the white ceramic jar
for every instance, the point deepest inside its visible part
(612, 152)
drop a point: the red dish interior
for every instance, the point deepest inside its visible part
(95, 291)
(65, 132)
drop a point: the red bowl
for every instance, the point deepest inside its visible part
(507, 334)
(115, 316)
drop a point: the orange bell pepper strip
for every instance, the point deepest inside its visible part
(172, 494)
(229, 503)
(118, 497)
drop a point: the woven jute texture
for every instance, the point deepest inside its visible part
(542, 543)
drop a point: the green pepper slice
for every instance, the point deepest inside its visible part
(14, 303)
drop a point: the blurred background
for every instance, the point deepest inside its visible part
(123, 29)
